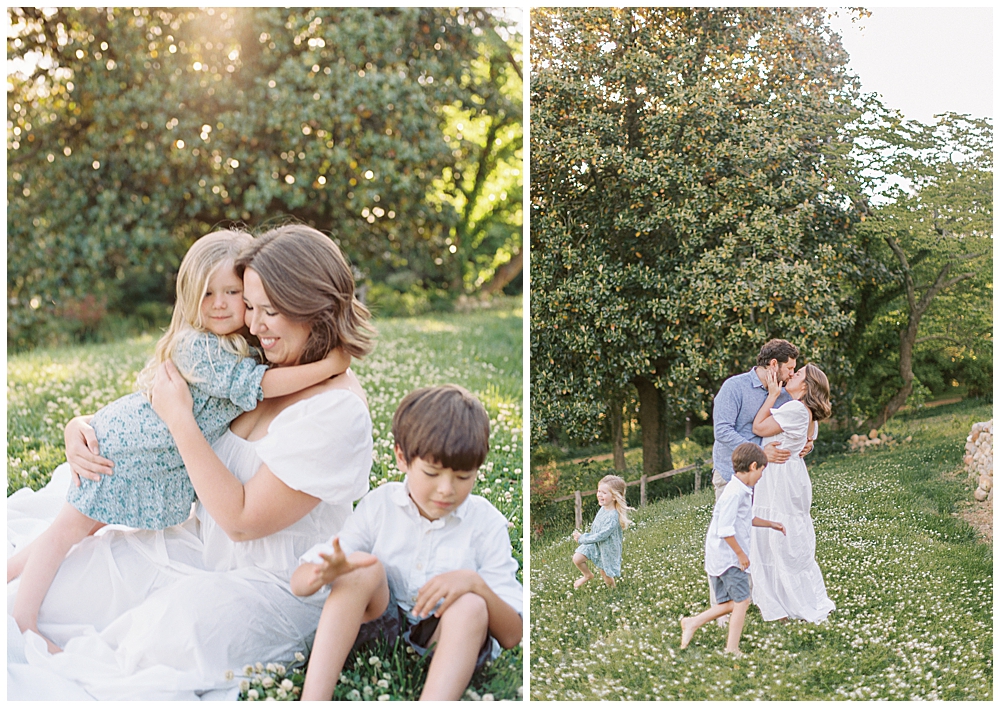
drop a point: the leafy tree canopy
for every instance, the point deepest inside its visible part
(134, 131)
(682, 210)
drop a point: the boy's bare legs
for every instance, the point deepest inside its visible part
(608, 580)
(459, 635)
(580, 561)
(355, 598)
(690, 625)
(736, 625)
(42, 563)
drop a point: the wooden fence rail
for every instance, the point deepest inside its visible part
(578, 496)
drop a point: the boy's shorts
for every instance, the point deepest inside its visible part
(733, 584)
(395, 621)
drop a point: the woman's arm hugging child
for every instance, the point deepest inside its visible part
(423, 556)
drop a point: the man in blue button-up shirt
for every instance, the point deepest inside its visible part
(737, 403)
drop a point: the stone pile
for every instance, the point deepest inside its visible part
(979, 459)
(873, 439)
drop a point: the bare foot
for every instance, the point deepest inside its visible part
(687, 632)
(581, 581)
(52, 646)
(737, 654)
(608, 580)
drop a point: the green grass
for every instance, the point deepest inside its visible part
(912, 585)
(481, 351)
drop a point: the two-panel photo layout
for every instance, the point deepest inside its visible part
(510, 353)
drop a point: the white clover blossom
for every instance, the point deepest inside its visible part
(244, 686)
(252, 694)
(247, 670)
(282, 693)
(229, 675)
(354, 695)
(287, 684)
(385, 697)
(299, 656)
(382, 683)
(375, 661)
(267, 682)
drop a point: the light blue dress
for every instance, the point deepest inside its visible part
(150, 488)
(603, 545)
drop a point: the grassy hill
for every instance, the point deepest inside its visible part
(912, 583)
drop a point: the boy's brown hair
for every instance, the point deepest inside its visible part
(443, 424)
(745, 454)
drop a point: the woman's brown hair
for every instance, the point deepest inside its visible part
(817, 396)
(308, 279)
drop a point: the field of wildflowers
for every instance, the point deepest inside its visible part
(912, 584)
(481, 351)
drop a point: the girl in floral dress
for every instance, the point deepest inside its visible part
(603, 545)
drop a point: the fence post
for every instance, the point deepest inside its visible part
(578, 509)
(642, 491)
(697, 478)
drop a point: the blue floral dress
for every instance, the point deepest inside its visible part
(150, 488)
(603, 545)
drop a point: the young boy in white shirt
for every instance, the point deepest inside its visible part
(423, 553)
(726, 546)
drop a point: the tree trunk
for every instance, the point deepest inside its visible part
(653, 422)
(504, 274)
(908, 337)
(616, 435)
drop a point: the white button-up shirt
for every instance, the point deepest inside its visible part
(412, 549)
(732, 516)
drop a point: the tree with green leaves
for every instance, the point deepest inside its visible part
(682, 213)
(924, 199)
(134, 131)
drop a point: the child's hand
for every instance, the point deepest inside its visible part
(744, 562)
(337, 563)
(778, 526)
(576, 535)
(338, 361)
(448, 587)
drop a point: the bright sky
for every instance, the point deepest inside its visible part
(924, 60)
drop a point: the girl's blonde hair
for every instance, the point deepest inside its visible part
(616, 485)
(207, 255)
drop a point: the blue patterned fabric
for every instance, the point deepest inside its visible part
(150, 488)
(603, 545)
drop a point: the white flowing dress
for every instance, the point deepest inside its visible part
(165, 614)
(787, 582)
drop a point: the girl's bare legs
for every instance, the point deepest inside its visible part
(355, 598)
(690, 625)
(15, 564)
(459, 636)
(47, 553)
(580, 561)
(608, 580)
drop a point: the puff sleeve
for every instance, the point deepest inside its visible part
(218, 373)
(793, 417)
(321, 446)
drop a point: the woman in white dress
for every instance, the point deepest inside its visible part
(787, 582)
(166, 614)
